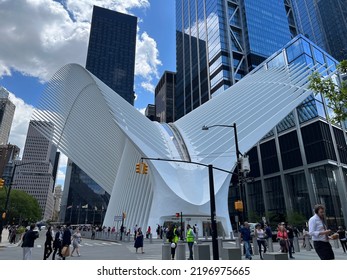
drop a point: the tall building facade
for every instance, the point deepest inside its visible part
(219, 42)
(57, 195)
(7, 109)
(325, 23)
(164, 97)
(35, 172)
(111, 50)
(303, 160)
(111, 58)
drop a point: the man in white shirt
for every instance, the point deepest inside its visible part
(320, 234)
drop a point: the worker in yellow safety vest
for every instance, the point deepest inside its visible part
(172, 237)
(190, 237)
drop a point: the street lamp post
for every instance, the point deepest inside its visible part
(238, 154)
(213, 214)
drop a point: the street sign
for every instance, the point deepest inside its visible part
(117, 218)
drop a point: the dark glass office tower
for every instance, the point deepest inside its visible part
(164, 93)
(325, 23)
(219, 42)
(111, 50)
(111, 58)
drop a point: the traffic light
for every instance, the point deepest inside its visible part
(145, 168)
(2, 183)
(138, 167)
(238, 205)
(3, 215)
(177, 215)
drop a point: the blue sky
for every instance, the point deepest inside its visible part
(40, 36)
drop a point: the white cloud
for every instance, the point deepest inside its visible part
(82, 9)
(148, 86)
(40, 36)
(60, 176)
(147, 60)
(20, 122)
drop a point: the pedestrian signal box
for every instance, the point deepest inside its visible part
(238, 205)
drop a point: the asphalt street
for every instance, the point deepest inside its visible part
(115, 250)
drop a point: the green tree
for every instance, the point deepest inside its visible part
(254, 217)
(296, 219)
(336, 95)
(22, 206)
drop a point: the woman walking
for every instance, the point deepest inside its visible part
(48, 243)
(282, 236)
(76, 240)
(260, 235)
(139, 240)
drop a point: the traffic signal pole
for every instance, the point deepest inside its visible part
(212, 200)
(213, 214)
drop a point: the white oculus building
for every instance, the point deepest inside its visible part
(106, 137)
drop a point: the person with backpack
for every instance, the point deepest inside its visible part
(172, 237)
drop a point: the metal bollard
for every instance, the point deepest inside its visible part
(270, 245)
(181, 251)
(307, 243)
(166, 251)
(150, 238)
(255, 246)
(238, 242)
(296, 244)
(336, 243)
(220, 246)
(202, 252)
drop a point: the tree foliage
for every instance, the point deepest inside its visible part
(22, 206)
(336, 94)
(296, 219)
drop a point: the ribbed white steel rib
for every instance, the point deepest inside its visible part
(106, 136)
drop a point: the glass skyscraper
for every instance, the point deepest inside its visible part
(325, 23)
(111, 58)
(164, 93)
(219, 42)
(303, 160)
(111, 50)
